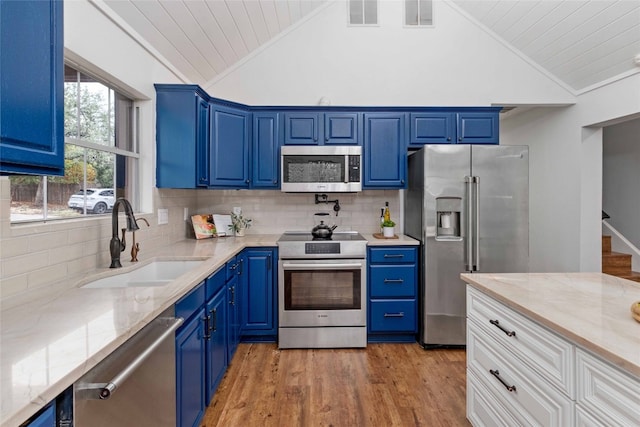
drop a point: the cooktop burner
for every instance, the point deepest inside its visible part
(300, 245)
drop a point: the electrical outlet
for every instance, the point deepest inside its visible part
(163, 216)
(186, 214)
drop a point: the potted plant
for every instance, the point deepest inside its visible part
(388, 228)
(239, 224)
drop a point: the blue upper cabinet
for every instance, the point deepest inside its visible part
(319, 128)
(182, 136)
(230, 147)
(432, 128)
(266, 143)
(31, 87)
(302, 128)
(342, 128)
(478, 128)
(450, 127)
(385, 151)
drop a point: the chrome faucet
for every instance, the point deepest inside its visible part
(116, 245)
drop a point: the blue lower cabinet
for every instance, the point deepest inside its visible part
(259, 312)
(217, 341)
(392, 290)
(191, 370)
(233, 317)
(393, 316)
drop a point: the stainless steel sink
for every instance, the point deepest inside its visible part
(154, 274)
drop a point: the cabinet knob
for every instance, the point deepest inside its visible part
(275, 181)
(459, 138)
(449, 138)
(247, 181)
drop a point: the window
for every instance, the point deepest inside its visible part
(363, 12)
(101, 156)
(418, 13)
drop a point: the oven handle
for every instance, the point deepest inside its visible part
(323, 266)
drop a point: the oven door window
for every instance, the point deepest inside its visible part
(322, 290)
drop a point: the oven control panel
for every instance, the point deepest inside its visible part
(322, 248)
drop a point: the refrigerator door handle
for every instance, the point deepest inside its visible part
(476, 230)
(468, 246)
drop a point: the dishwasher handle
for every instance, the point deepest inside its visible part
(106, 390)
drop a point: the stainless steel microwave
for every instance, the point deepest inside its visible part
(321, 168)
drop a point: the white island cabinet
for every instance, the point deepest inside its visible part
(552, 350)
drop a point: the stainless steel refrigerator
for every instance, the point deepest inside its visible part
(469, 207)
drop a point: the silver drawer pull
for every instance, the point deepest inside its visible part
(497, 324)
(393, 256)
(393, 281)
(401, 314)
(496, 374)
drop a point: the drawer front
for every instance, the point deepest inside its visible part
(190, 303)
(393, 281)
(532, 400)
(544, 351)
(393, 316)
(606, 392)
(215, 282)
(483, 408)
(393, 254)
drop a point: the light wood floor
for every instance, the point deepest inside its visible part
(382, 385)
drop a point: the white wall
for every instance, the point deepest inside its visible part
(621, 178)
(566, 173)
(454, 63)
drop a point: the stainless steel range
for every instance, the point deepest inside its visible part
(322, 291)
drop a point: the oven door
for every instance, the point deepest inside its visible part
(322, 292)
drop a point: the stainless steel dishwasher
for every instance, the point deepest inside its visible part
(136, 384)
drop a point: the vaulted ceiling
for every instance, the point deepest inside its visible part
(579, 42)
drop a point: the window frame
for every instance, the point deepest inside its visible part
(364, 2)
(133, 188)
(418, 25)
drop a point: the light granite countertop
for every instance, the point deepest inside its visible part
(52, 336)
(590, 309)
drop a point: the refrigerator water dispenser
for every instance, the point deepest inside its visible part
(448, 218)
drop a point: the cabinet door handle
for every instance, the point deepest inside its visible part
(214, 318)
(206, 328)
(496, 374)
(401, 314)
(393, 256)
(240, 267)
(269, 262)
(497, 324)
(233, 295)
(393, 280)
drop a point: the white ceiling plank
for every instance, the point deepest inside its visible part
(494, 19)
(194, 32)
(243, 24)
(306, 6)
(513, 20)
(173, 32)
(295, 12)
(474, 8)
(257, 20)
(282, 11)
(585, 40)
(214, 33)
(553, 39)
(533, 22)
(270, 16)
(225, 20)
(154, 36)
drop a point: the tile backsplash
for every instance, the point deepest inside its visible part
(274, 212)
(39, 253)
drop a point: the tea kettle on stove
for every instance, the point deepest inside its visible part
(322, 230)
